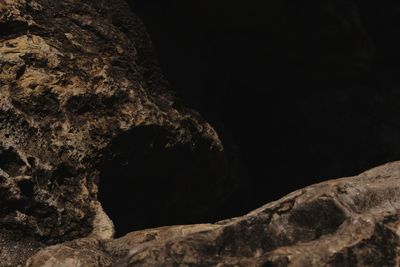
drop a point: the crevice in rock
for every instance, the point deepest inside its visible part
(12, 28)
(10, 161)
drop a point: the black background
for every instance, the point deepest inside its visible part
(308, 90)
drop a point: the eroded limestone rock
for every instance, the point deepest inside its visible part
(76, 78)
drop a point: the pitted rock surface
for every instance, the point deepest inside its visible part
(86, 114)
(76, 77)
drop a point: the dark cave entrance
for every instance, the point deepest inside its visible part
(143, 184)
(308, 90)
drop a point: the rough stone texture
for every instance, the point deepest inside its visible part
(85, 252)
(16, 247)
(82, 100)
(346, 222)
(85, 111)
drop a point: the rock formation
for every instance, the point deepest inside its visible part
(83, 104)
(345, 222)
(85, 115)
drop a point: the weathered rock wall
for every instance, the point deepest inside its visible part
(83, 103)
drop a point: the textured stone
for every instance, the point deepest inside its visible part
(346, 222)
(85, 112)
(16, 248)
(78, 253)
(82, 102)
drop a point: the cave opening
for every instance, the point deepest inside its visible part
(145, 184)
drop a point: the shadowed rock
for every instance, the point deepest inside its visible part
(346, 222)
(83, 105)
(85, 115)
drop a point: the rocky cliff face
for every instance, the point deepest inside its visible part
(86, 117)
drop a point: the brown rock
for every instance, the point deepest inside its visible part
(82, 100)
(346, 222)
(83, 106)
(78, 253)
(16, 248)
